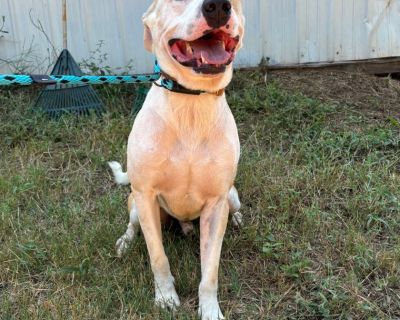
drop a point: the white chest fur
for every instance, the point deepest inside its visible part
(189, 153)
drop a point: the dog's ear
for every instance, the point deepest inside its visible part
(147, 18)
(148, 38)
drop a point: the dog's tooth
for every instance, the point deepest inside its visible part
(203, 59)
(189, 48)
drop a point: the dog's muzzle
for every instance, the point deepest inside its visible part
(209, 54)
(217, 12)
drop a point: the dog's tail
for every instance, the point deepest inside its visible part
(119, 176)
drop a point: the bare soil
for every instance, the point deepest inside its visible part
(379, 97)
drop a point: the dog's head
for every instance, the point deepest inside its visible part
(195, 41)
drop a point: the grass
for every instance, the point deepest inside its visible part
(319, 182)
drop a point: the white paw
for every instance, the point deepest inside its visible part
(122, 245)
(237, 219)
(167, 298)
(187, 227)
(210, 311)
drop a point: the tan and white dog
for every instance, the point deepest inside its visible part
(184, 149)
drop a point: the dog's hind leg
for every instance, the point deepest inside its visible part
(234, 207)
(133, 227)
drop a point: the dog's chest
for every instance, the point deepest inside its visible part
(191, 176)
(187, 157)
(208, 167)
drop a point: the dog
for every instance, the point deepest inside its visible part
(183, 150)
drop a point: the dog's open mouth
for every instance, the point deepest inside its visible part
(209, 54)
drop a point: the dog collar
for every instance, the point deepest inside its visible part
(169, 83)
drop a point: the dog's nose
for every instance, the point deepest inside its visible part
(217, 12)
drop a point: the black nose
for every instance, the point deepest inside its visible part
(217, 12)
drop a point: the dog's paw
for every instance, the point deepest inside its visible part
(167, 298)
(122, 245)
(210, 311)
(187, 228)
(237, 219)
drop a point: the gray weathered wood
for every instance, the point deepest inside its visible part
(288, 32)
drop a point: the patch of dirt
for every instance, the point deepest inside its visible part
(378, 96)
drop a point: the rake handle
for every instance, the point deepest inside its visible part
(64, 23)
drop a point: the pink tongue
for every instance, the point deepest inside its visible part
(212, 51)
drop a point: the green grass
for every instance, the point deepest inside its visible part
(320, 187)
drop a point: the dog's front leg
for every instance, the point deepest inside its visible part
(213, 221)
(149, 217)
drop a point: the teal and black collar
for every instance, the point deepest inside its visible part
(174, 86)
(169, 83)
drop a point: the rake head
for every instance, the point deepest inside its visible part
(56, 100)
